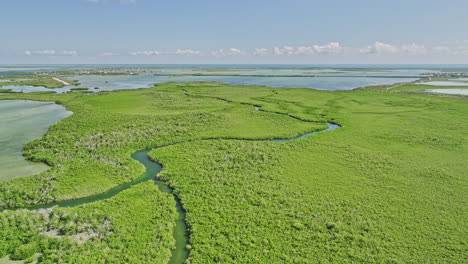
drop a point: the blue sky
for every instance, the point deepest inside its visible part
(255, 31)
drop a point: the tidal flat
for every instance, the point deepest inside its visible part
(445, 83)
(450, 91)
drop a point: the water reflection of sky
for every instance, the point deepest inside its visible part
(445, 83)
(31, 89)
(449, 91)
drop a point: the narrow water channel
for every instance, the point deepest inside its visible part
(181, 233)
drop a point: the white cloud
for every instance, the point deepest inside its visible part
(460, 49)
(188, 52)
(441, 50)
(69, 53)
(108, 54)
(330, 49)
(451, 50)
(228, 52)
(145, 53)
(380, 48)
(261, 52)
(285, 50)
(234, 51)
(49, 52)
(277, 51)
(414, 49)
(333, 48)
(217, 53)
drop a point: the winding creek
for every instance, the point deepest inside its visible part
(152, 169)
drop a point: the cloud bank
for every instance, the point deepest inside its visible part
(188, 52)
(333, 49)
(51, 52)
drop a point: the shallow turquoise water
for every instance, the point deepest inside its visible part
(20, 122)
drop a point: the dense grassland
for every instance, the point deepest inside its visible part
(133, 227)
(90, 151)
(390, 186)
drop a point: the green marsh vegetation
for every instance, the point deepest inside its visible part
(79, 89)
(107, 127)
(390, 186)
(36, 80)
(133, 227)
